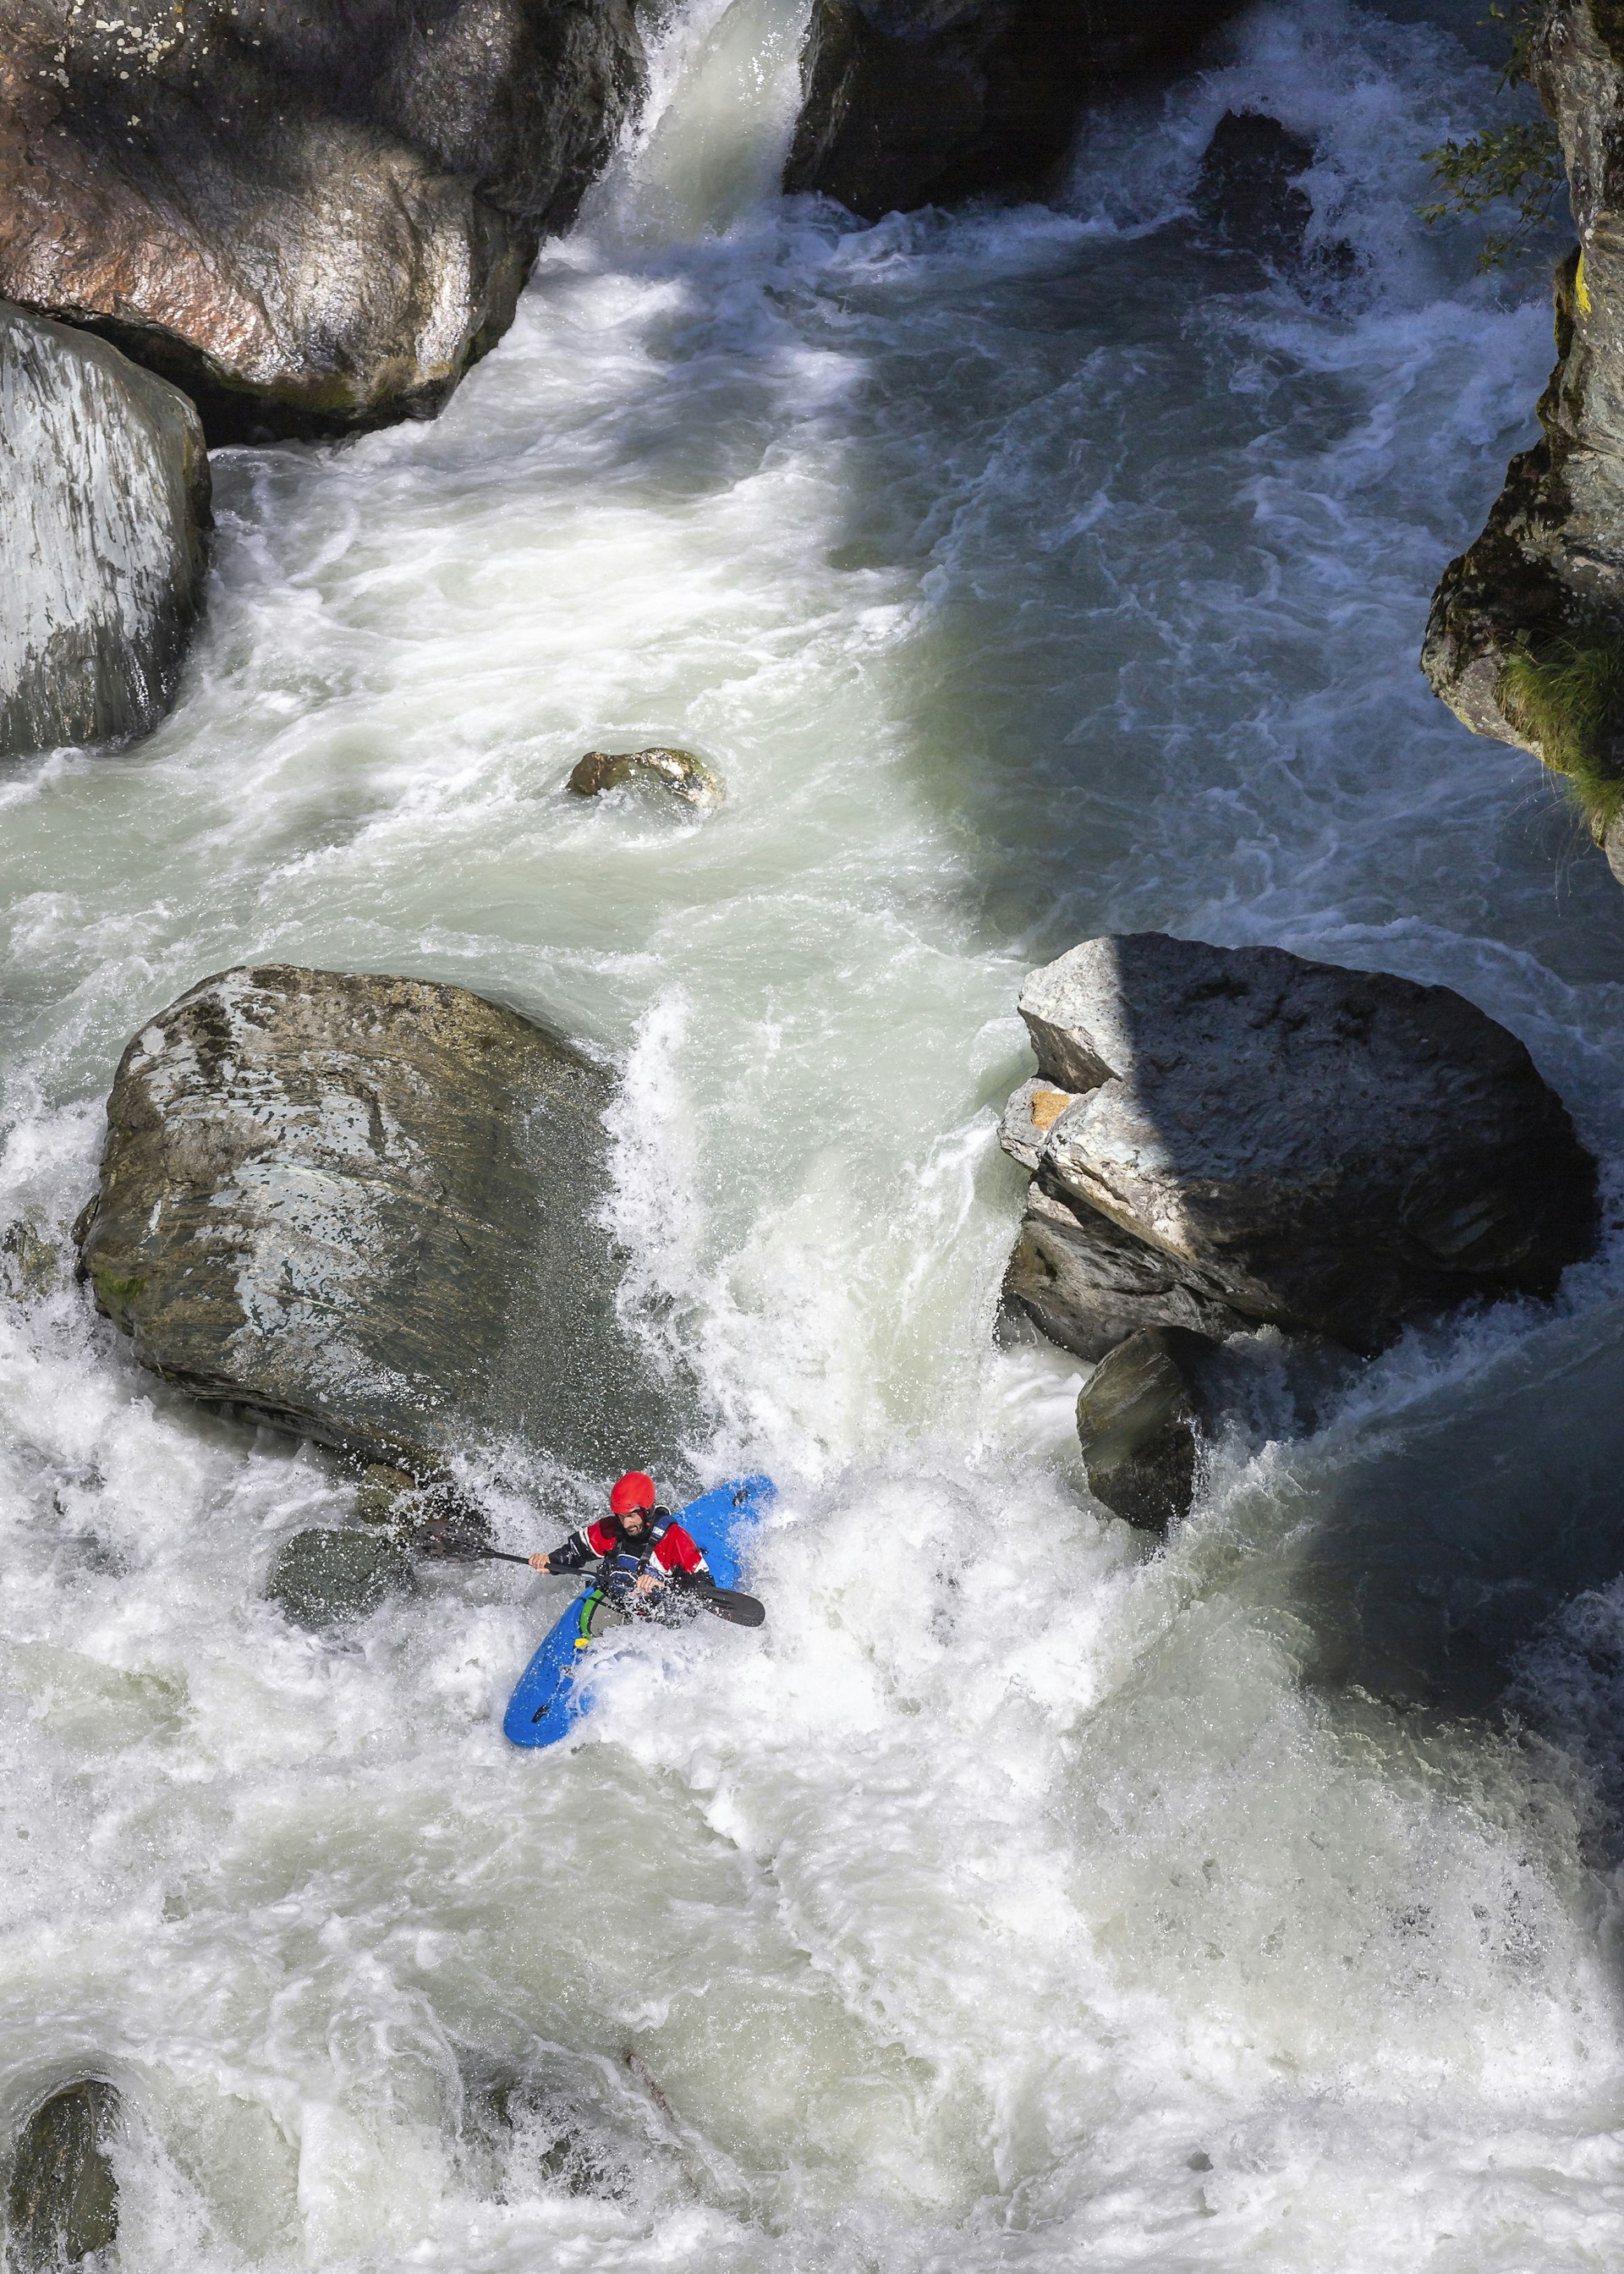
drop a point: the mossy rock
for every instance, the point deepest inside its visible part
(327, 1578)
(63, 2203)
(686, 777)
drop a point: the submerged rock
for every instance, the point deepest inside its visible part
(313, 219)
(1525, 642)
(63, 2202)
(1138, 1421)
(912, 103)
(102, 544)
(324, 1578)
(367, 1209)
(1260, 1139)
(1248, 190)
(679, 772)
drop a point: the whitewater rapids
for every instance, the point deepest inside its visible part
(1018, 1899)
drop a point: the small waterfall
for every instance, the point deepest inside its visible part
(724, 88)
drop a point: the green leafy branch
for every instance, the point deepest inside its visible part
(1518, 165)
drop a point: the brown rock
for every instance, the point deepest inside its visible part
(312, 219)
(679, 772)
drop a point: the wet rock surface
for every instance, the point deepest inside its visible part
(1544, 580)
(912, 103)
(327, 1578)
(1140, 1418)
(103, 544)
(1260, 1139)
(1248, 189)
(679, 772)
(366, 1209)
(312, 220)
(62, 2205)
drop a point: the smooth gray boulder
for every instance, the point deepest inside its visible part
(62, 2205)
(913, 102)
(1140, 1419)
(367, 1209)
(1260, 1139)
(103, 547)
(326, 1578)
(313, 219)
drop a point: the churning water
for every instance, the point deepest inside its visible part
(1018, 1899)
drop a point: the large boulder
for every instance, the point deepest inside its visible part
(1236, 1137)
(1525, 642)
(913, 102)
(367, 1209)
(62, 2205)
(313, 219)
(102, 538)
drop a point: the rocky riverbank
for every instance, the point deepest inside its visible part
(1526, 637)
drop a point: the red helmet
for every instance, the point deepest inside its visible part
(634, 1490)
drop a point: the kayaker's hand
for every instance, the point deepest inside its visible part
(646, 1585)
(541, 1562)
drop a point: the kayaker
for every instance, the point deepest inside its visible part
(637, 1527)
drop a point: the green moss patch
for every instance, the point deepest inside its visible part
(1569, 698)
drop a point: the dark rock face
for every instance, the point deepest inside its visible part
(680, 772)
(1247, 189)
(1139, 1420)
(913, 102)
(1546, 576)
(326, 1579)
(102, 538)
(63, 2203)
(366, 1209)
(312, 219)
(1256, 1140)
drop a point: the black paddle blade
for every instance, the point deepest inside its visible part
(727, 1603)
(450, 1543)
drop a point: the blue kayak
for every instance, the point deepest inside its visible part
(551, 1696)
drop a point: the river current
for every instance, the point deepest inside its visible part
(1021, 1897)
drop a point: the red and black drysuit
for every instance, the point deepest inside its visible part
(675, 1553)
